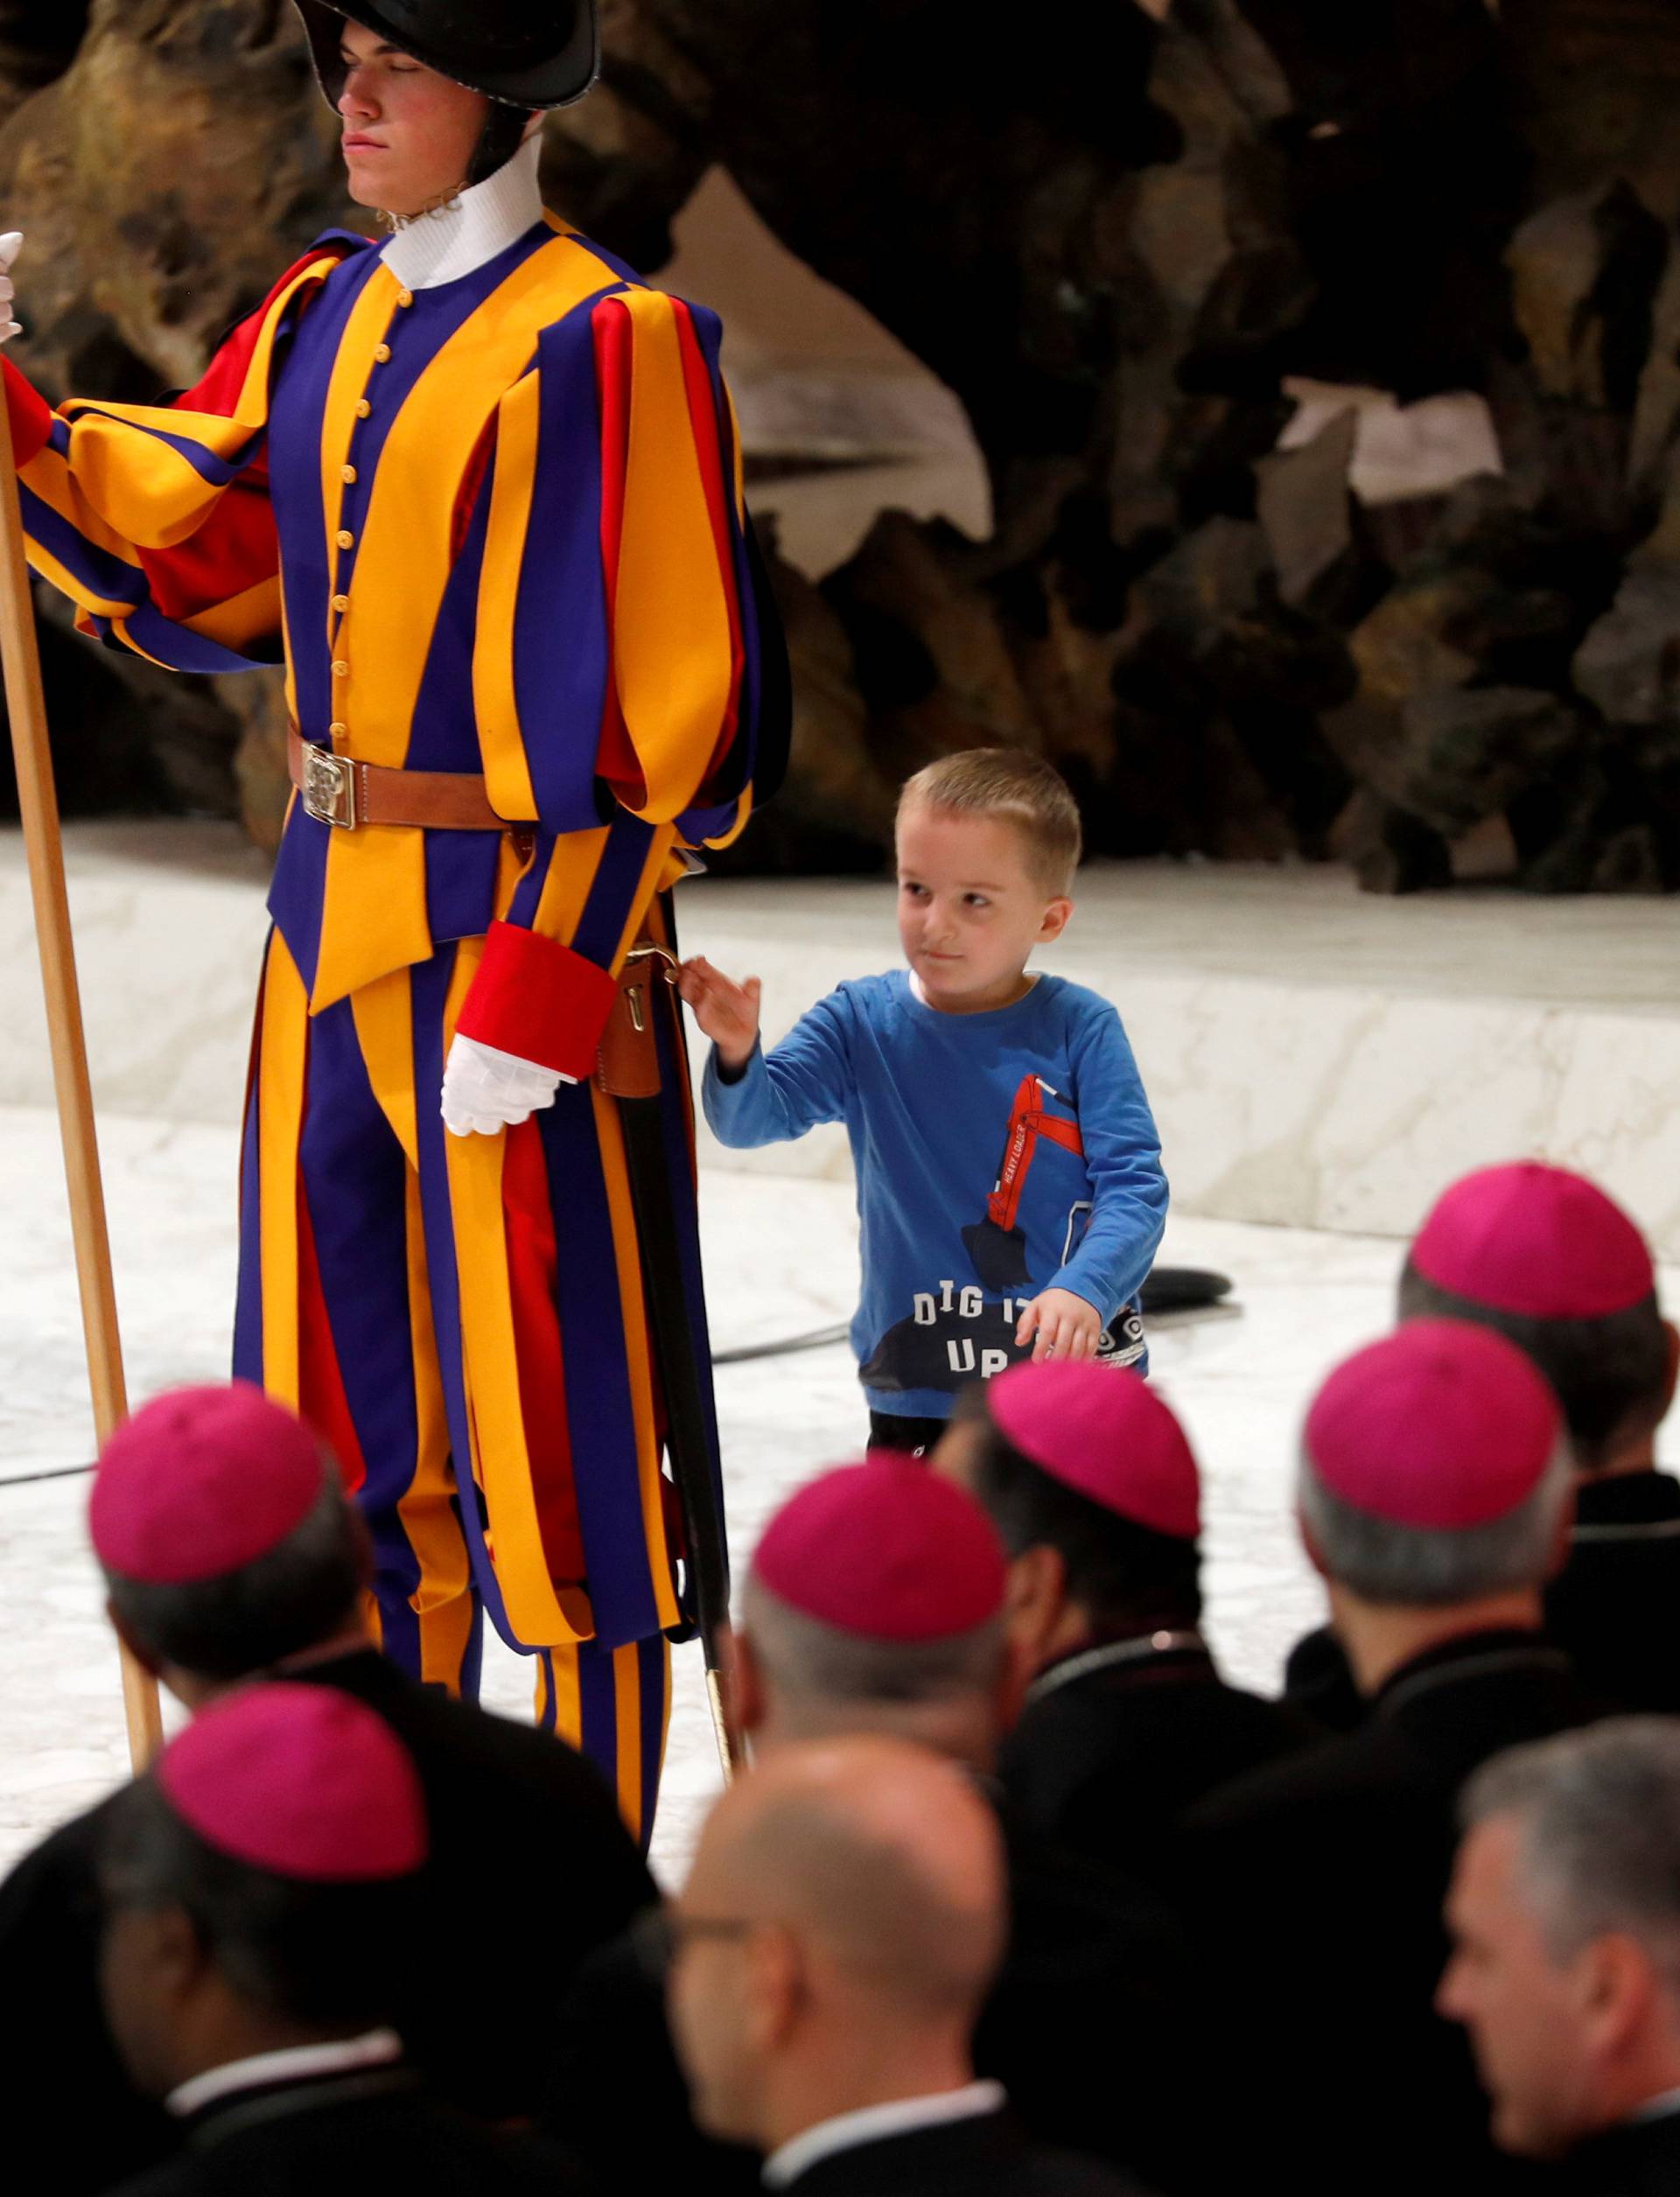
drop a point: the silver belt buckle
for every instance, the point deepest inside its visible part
(329, 787)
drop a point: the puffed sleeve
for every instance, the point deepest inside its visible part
(155, 518)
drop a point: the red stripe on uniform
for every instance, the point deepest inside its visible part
(30, 415)
(703, 422)
(322, 1402)
(236, 547)
(218, 388)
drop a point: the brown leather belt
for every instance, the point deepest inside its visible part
(336, 790)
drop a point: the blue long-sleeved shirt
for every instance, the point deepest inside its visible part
(930, 1101)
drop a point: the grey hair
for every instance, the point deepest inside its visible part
(815, 1662)
(1383, 1563)
(292, 1598)
(1599, 1817)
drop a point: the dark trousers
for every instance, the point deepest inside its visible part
(915, 1437)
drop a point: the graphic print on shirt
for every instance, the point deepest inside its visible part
(959, 1331)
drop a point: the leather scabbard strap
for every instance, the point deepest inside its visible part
(436, 800)
(628, 1066)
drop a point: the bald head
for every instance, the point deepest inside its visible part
(843, 1923)
(878, 1852)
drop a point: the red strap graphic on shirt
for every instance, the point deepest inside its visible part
(1028, 1121)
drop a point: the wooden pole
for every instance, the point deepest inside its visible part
(38, 802)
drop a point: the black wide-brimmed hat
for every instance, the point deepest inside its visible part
(526, 53)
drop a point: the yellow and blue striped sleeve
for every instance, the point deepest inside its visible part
(155, 520)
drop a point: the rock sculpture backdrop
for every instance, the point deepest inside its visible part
(1116, 245)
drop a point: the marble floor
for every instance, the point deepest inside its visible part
(782, 1259)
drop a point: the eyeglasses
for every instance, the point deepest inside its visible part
(659, 1936)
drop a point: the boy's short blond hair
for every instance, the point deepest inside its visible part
(1021, 788)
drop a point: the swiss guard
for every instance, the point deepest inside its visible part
(479, 489)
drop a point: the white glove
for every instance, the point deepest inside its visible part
(486, 1090)
(10, 244)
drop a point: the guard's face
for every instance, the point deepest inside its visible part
(409, 133)
(1528, 2018)
(971, 910)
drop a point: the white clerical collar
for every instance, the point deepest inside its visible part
(1657, 2109)
(460, 237)
(872, 2122)
(295, 2064)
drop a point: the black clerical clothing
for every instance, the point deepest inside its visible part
(1116, 1740)
(610, 2018)
(984, 2155)
(1612, 1608)
(55, 2050)
(1090, 2029)
(1641, 2159)
(1615, 1605)
(1318, 1681)
(352, 2135)
(1317, 1886)
(530, 1869)
(1091, 2022)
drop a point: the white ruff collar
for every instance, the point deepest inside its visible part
(459, 237)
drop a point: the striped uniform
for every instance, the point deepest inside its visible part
(495, 525)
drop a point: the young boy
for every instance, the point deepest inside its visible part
(1010, 1189)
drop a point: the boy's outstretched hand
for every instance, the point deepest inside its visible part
(1067, 1326)
(727, 1013)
